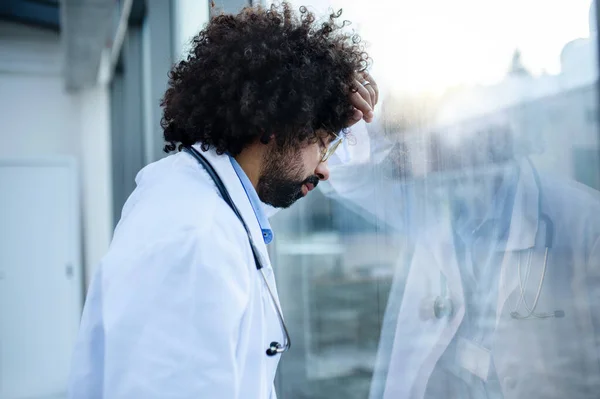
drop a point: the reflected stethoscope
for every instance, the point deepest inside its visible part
(274, 347)
(444, 307)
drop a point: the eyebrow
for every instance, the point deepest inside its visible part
(327, 138)
(331, 138)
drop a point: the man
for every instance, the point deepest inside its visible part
(177, 308)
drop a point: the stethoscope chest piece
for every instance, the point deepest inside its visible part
(275, 348)
(436, 308)
(442, 307)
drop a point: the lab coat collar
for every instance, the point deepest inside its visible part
(497, 211)
(225, 170)
(521, 229)
(525, 215)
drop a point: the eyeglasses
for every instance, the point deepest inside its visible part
(330, 149)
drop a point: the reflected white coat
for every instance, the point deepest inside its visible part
(177, 308)
(535, 359)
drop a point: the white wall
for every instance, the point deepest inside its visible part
(38, 116)
(40, 119)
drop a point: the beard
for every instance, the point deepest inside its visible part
(280, 184)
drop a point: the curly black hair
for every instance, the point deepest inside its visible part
(261, 73)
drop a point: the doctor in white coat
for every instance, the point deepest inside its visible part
(178, 307)
(480, 309)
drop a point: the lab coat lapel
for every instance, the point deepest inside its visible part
(439, 240)
(421, 338)
(445, 257)
(224, 169)
(522, 234)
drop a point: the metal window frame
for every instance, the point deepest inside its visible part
(159, 60)
(139, 79)
(126, 120)
(595, 36)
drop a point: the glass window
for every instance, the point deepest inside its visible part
(189, 17)
(455, 250)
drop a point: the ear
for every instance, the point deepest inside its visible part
(266, 138)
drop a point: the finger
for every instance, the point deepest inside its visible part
(373, 85)
(367, 76)
(372, 94)
(361, 105)
(364, 93)
(361, 99)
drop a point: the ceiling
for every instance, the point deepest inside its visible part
(84, 26)
(43, 14)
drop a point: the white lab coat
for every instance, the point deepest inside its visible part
(177, 308)
(534, 359)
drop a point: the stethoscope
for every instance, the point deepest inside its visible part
(275, 347)
(443, 305)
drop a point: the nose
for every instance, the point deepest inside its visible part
(322, 171)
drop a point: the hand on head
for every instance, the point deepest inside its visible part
(365, 98)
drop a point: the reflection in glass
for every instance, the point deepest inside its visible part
(455, 251)
(512, 254)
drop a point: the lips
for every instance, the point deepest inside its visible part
(306, 188)
(309, 185)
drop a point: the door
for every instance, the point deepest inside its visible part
(40, 276)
